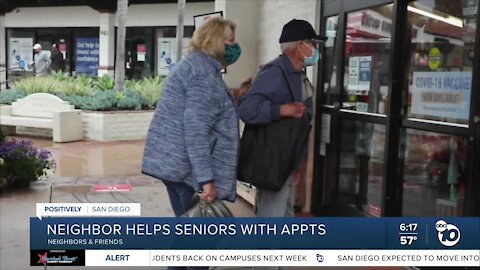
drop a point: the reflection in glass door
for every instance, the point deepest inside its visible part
(441, 60)
(434, 174)
(330, 95)
(438, 91)
(365, 90)
(330, 89)
(400, 95)
(367, 59)
(361, 166)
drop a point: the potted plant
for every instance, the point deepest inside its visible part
(21, 163)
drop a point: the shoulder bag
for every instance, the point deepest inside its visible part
(270, 153)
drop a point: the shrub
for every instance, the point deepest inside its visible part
(59, 75)
(77, 101)
(10, 95)
(3, 134)
(56, 84)
(22, 163)
(100, 101)
(33, 85)
(129, 100)
(104, 100)
(149, 90)
(74, 88)
(87, 93)
(104, 83)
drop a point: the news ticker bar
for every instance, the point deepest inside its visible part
(305, 258)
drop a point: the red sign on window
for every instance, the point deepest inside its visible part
(141, 48)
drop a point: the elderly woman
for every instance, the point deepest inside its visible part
(192, 142)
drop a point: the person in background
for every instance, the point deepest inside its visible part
(41, 63)
(56, 58)
(192, 142)
(269, 100)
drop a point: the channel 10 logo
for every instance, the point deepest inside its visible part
(448, 234)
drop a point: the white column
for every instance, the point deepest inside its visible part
(3, 48)
(244, 13)
(107, 44)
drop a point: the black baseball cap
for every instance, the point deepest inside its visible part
(296, 30)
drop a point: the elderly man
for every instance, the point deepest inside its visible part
(269, 100)
(41, 64)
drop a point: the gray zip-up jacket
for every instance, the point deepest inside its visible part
(194, 137)
(42, 63)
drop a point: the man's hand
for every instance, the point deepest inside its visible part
(293, 110)
(209, 192)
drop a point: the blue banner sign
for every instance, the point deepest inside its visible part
(87, 55)
(254, 233)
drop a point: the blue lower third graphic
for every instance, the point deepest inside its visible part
(254, 233)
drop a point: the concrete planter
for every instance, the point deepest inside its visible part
(116, 126)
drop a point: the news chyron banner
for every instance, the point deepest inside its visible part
(78, 235)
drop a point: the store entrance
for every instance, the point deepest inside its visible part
(139, 53)
(63, 38)
(396, 128)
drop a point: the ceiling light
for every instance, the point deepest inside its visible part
(449, 19)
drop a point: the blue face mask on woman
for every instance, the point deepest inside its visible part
(313, 59)
(232, 53)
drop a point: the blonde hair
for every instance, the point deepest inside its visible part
(210, 37)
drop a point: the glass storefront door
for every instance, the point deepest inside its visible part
(403, 136)
(139, 52)
(438, 91)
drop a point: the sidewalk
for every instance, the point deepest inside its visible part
(80, 167)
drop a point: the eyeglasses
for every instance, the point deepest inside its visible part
(311, 44)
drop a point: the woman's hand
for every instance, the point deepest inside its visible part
(244, 87)
(209, 192)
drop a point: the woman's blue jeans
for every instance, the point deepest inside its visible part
(180, 195)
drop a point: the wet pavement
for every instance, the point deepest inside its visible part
(80, 167)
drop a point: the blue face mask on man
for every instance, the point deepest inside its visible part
(313, 59)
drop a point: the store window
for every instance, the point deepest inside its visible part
(166, 46)
(21, 41)
(139, 52)
(367, 59)
(361, 166)
(19, 53)
(330, 89)
(441, 59)
(434, 174)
